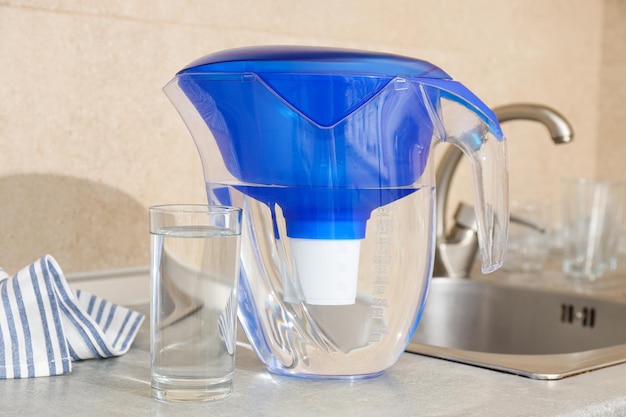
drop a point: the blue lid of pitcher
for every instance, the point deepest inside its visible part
(313, 59)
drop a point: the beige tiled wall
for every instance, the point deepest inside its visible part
(611, 132)
(88, 141)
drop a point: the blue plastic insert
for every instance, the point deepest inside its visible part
(327, 134)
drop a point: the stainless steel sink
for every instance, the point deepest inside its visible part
(537, 333)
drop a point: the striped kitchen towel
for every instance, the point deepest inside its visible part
(44, 325)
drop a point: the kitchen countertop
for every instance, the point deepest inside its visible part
(414, 386)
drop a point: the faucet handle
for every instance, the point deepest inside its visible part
(456, 253)
(466, 217)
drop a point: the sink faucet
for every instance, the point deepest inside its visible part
(455, 252)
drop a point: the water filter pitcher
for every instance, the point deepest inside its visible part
(329, 152)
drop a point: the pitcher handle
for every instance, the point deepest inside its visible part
(462, 119)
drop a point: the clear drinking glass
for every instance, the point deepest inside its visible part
(194, 274)
(592, 225)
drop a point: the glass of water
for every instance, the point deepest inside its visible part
(194, 272)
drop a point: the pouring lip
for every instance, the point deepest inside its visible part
(312, 59)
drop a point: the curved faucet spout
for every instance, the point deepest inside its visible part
(559, 128)
(451, 253)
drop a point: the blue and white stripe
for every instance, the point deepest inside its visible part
(44, 325)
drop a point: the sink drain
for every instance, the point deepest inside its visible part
(586, 315)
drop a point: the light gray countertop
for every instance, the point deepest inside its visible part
(414, 386)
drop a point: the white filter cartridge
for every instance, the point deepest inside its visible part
(327, 269)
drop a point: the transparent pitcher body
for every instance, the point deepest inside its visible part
(356, 340)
